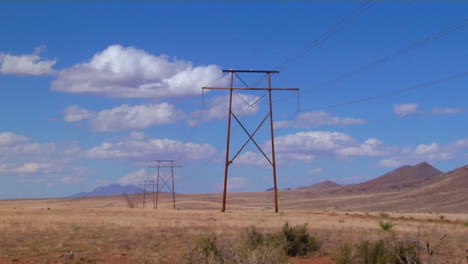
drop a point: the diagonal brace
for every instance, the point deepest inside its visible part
(164, 181)
(251, 138)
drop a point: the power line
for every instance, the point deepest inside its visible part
(365, 99)
(328, 34)
(389, 57)
(396, 54)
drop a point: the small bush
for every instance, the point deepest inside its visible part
(298, 240)
(343, 255)
(386, 225)
(377, 252)
(205, 250)
(253, 247)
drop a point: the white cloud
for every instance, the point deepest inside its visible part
(313, 142)
(39, 161)
(127, 117)
(311, 145)
(462, 143)
(75, 113)
(28, 64)
(9, 138)
(27, 168)
(136, 177)
(301, 146)
(423, 152)
(402, 110)
(447, 111)
(318, 118)
(252, 158)
(371, 147)
(139, 148)
(390, 162)
(127, 72)
(217, 108)
(316, 171)
(423, 149)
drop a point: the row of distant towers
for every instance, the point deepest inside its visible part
(152, 188)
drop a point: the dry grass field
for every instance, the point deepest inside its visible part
(105, 230)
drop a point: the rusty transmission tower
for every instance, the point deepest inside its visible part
(148, 184)
(165, 181)
(229, 161)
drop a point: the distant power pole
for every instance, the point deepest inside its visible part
(145, 184)
(272, 161)
(165, 180)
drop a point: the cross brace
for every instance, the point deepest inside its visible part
(272, 161)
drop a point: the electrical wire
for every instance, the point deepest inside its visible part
(374, 97)
(389, 57)
(328, 34)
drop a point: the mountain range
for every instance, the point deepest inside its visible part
(113, 189)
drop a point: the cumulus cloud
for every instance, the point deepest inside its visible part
(14, 146)
(402, 110)
(313, 142)
(318, 118)
(217, 108)
(9, 138)
(28, 64)
(301, 146)
(140, 148)
(462, 143)
(310, 145)
(75, 113)
(27, 168)
(136, 177)
(128, 72)
(19, 156)
(423, 152)
(371, 148)
(136, 117)
(125, 117)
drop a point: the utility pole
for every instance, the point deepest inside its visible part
(229, 161)
(148, 183)
(165, 180)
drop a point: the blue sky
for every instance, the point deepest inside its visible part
(93, 92)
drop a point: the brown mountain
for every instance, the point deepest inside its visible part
(402, 178)
(324, 185)
(419, 188)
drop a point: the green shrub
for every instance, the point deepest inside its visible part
(382, 251)
(298, 240)
(343, 255)
(386, 225)
(253, 247)
(378, 252)
(205, 251)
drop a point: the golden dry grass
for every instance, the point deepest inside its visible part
(103, 230)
